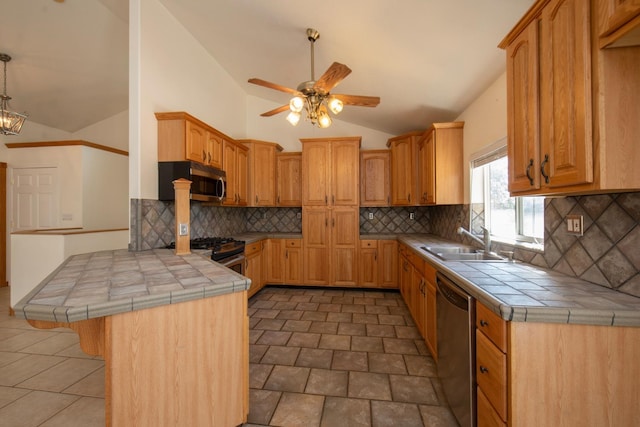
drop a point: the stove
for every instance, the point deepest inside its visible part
(221, 248)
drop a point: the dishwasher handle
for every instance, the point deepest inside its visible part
(452, 292)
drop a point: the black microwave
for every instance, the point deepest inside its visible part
(208, 184)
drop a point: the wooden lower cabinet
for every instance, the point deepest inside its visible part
(431, 329)
(253, 266)
(273, 261)
(369, 263)
(293, 262)
(330, 245)
(378, 264)
(487, 416)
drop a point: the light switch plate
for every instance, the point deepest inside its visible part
(370, 215)
(412, 215)
(575, 224)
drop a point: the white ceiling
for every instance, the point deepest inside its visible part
(426, 59)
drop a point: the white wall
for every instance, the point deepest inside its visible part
(171, 71)
(112, 132)
(31, 132)
(485, 123)
(105, 199)
(277, 128)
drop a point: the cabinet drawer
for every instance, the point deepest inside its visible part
(487, 416)
(293, 243)
(252, 248)
(494, 327)
(368, 244)
(491, 373)
(416, 260)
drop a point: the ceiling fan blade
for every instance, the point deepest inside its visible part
(275, 111)
(275, 86)
(357, 100)
(332, 77)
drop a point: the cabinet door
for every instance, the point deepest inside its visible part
(375, 186)
(345, 161)
(344, 248)
(293, 272)
(214, 150)
(405, 279)
(430, 326)
(565, 94)
(523, 144)
(426, 170)
(316, 173)
(253, 270)
(388, 263)
(229, 164)
(368, 261)
(619, 23)
(417, 298)
(263, 175)
(402, 174)
(315, 229)
(242, 175)
(196, 137)
(274, 265)
(289, 178)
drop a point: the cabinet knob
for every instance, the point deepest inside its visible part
(484, 322)
(483, 370)
(256, 199)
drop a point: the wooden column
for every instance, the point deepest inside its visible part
(3, 224)
(182, 189)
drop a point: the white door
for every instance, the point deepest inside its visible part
(35, 198)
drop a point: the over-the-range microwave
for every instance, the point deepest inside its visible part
(208, 184)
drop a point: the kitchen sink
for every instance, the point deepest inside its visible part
(462, 253)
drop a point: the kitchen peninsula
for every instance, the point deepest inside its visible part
(173, 331)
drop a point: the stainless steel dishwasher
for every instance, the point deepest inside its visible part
(456, 349)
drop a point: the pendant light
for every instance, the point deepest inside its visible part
(10, 122)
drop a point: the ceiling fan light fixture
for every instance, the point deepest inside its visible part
(324, 120)
(10, 122)
(296, 104)
(335, 105)
(293, 118)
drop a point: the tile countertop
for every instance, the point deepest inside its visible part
(522, 292)
(109, 282)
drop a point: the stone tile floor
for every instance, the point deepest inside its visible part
(333, 357)
(319, 357)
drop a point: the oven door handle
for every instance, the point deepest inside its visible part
(232, 261)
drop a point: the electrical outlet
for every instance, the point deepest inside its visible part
(184, 229)
(412, 215)
(264, 215)
(299, 215)
(370, 215)
(575, 225)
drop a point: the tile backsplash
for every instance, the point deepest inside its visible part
(607, 254)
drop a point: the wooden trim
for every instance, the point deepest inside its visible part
(533, 13)
(65, 231)
(181, 115)
(343, 138)
(66, 144)
(249, 141)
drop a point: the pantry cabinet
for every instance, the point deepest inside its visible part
(289, 179)
(440, 171)
(571, 122)
(330, 215)
(235, 162)
(375, 178)
(261, 172)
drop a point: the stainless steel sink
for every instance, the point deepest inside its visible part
(461, 253)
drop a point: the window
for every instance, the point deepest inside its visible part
(508, 218)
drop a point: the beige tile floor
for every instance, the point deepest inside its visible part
(319, 357)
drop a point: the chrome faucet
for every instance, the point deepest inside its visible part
(485, 241)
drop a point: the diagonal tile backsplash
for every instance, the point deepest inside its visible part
(608, 254)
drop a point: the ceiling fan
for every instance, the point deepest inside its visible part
(314, 95)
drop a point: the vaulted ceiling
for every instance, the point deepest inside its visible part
(426, 59)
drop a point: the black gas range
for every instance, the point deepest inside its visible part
(222, 248)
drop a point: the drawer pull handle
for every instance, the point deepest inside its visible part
(484, 322)
(529, 166)
(483, 370)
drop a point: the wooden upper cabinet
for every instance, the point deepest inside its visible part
(522, 110)
(330, 168)
(571, 121)
(261, 172)
(440, 166)
(235, 163)
(213, 149)
(289, 179)
(375, 180)
(620, 24)
(196, 142)
(403, 168)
